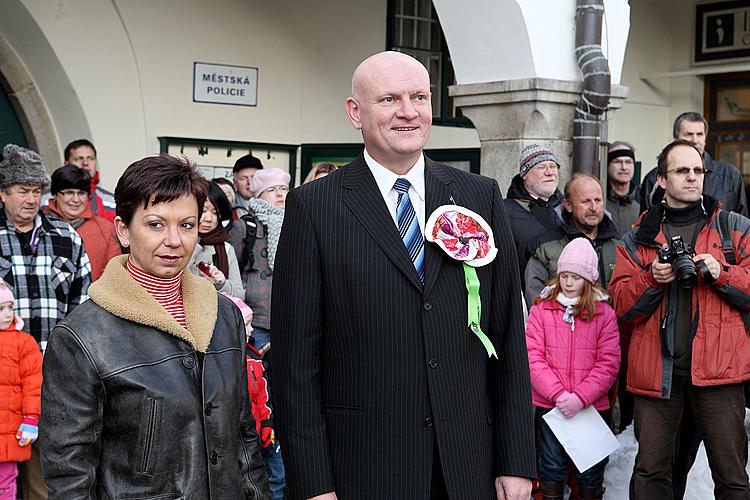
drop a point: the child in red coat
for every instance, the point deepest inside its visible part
(20, 393)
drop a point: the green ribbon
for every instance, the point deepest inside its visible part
(475, 309)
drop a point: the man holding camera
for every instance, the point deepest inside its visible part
(676, 282)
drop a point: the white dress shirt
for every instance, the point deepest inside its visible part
(385, 180)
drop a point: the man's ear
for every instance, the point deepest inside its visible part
(662, 182)
(352, 111)
(568, 206)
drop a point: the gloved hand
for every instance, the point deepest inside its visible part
(569, 404)
(28, 431)
(266, 437)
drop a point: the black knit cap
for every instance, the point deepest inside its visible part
(247, 161)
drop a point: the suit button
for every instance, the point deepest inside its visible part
(214, 457)
(433, 363)
(427, 306)
(428, 422)
(209, 409)
(188, 362)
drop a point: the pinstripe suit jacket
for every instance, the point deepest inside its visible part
(372, 370)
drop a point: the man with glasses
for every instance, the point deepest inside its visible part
(531, 202)
(689, 344)
(623, 195)
(724, 181)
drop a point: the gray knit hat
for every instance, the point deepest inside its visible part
(532, 155)
(22, 166)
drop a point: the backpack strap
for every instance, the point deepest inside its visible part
(247, 259)
(725, 233)
(727, 246)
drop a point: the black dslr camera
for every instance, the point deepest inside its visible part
(681, 258)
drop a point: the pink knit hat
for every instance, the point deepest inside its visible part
(6, 294)
(579, 257)
(268, 177)
(244, 308)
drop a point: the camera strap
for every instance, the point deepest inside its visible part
(727, 246)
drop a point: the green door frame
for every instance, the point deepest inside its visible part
(338, 153)
(166, 141)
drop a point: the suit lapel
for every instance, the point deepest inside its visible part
(362, 196)
(437, 193)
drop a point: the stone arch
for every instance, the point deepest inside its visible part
(537, 125)
(519, 39)
(31, 73)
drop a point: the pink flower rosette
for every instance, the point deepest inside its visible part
(463, 234)
(466, 237)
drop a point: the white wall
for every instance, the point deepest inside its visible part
(496, 40)
(130, 63)
(93, 49)
(660, 40)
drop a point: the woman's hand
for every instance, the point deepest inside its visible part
(216, 277)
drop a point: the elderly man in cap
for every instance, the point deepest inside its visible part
(531, 202)
(243, 172)
(42, 258)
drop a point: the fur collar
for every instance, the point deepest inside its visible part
(117, 293)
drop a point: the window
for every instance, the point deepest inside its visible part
(414, 29)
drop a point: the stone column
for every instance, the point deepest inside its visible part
(509, 115)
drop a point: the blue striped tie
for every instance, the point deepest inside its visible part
(408, 226)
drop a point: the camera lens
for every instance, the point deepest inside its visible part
(684, 269)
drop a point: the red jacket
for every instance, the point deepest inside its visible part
(101, 202)
(257, 384)
(582, 359)
(721, 346)
(98, 235)
(20, 389)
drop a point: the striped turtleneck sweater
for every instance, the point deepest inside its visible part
(166, 291)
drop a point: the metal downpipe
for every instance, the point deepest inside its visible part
(596, 86)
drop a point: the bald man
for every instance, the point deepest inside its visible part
(381, 389)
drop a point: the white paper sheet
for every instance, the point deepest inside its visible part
(586, 437)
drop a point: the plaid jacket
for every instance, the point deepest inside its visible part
(48, 280)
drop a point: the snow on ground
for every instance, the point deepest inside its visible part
(617, 475)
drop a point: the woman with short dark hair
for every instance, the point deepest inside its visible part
(71, 190)
(145, 387)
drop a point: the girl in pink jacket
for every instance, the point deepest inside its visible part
(574, 355)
